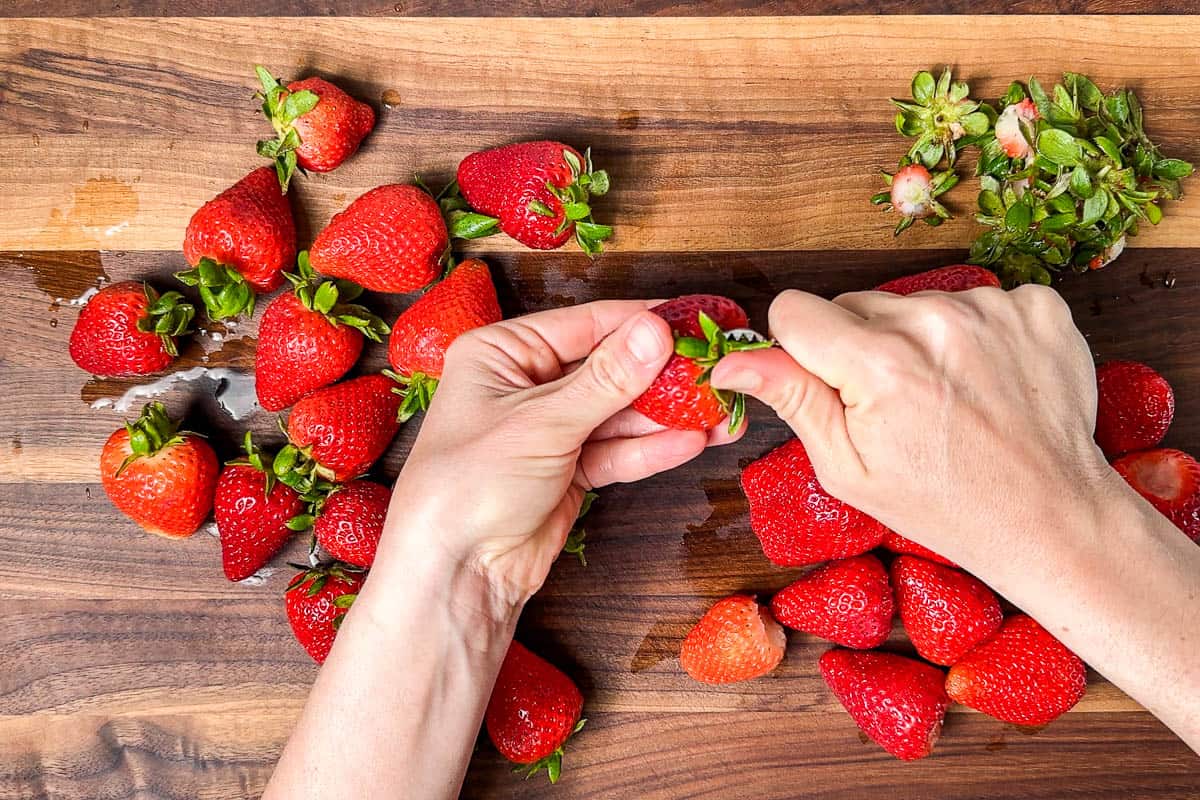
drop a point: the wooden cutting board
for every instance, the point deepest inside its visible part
(742, 150)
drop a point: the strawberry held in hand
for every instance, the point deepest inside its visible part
(848, 602)
(346, 427)
(955, 278)
(129, 329)
(350, 522)
(1135, 407)
(736, 640)
(316, 601)
(945, 611)
(1170, 480)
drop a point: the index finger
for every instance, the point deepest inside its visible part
(574, 331)
(823, 337)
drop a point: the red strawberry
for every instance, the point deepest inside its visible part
(735, 640)
(159, 476)
(899, 544)
(681, 396)
(1022, 675)
(316, 601)
(956, 278)
(536, 192)
(1136, 406)
(848, 602)
(464, 300)
(392, 239)
(899, 702)
(347, 426)
(796, 520)
(239, 243)
(351, 521)
(129, 329)
(1170, 480)
(945, 611)
(309, 338)
(317, 124)
(533, 710)
(913, 195)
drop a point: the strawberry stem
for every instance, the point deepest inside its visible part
(222, 288)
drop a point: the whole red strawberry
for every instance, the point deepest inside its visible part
(159, 476)
(129, 329)
(1136, 406)
(317, 125)
(350, 522)
(735, 640)
(1022, 675)
(316, 601)
(310, 337)
(899, 544)
(900, 703)
(945, 611)
(464, 300)
(1170, 480)
(956, 278)
(239, 243)
(347, 426)
(795, 519)
(536, 192)
(533, 710)
(681, 396)
(391, 239)
(848, 602)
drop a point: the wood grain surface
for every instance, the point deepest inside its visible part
(742, 151)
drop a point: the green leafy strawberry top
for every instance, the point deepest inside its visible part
(334, 300)
(715, 345)
(282, 108)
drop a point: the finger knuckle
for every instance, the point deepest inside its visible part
(608, 371)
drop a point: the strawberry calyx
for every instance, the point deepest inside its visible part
(574, 544)
(152, 431)
(706, 352)
(167, 315)
(333, 300)
(552, 763)
(416, 391)
(940, 114)
(282, 108)
(317, 576)
(222, 288)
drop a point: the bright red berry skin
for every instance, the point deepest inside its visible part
(945, 611)
(795, 519)
(899, 702)
(1136, 406)
(312, 616)
(900, 544)
(299, 350)
(1022, 675)
(955, 278)
(332, 131)
(534, 707)
(1170, 480)
(348, 425)
(736, 640)
(351, 522)
(106, 341)
(848, 602)
(248, 227)
(390, 239)
(251, 522)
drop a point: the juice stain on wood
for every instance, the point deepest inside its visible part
(100, 209)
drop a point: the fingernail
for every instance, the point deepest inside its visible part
(645, 341)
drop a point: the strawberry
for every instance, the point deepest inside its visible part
(310, 337)
(1136, 406)
(1015, 129)
(533, 710)
(129, 329)
(848, 602)
(345, 427)
(945, 611)
(350, 521)
(465, 299)
(317, 125)
(391, 239)
(1170, 480)
(316, 601)
(536, 192)
(795, 519)
(956, 278)
(159, 476)
(735, 640)
(899, 544)
(1022, 675)
(706, 327)
(899, 702)
(913, 195)
(239, 243)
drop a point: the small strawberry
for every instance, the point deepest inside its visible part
(317, 600)
(345, 427)
(129, 329)
(1022, 675)
(350, 521)
(317, 125)
(464, 300)
(795, 519)
(391, 239)
(310, 337)
(735, 640)
(848, 602)
(899, 702)
(1170, 480)
(536, 192)
(533, 710)
(956, 278)
(706, 327)
(1136, 406)
(159, 476)
(945, 611)
(899, 544)
(1015, 128)
(913, 195)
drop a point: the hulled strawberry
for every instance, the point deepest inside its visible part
(945, 611)
(347, 426)
(159, 476)
(239, 243)
(913, 195)
(735, 640)
(350, 521)
(316, 601)
(533, 710)
(1136, 406)
(129, 329)
(1170, 480)
(848, 602)
(955, 278)
(391, 239)
(795, 519)
(899, 544)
